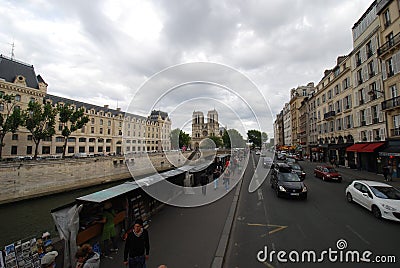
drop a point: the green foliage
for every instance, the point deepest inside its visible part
(71, 120)
(256, 137)
(217, 140)
(233, 139)
(40, 122)
(184, 139)
(10, 117)
(178, 139)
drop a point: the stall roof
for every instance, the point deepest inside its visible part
(106, 194)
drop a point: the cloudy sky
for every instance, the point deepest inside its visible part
(120, 52)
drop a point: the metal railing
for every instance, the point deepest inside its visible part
(391, 43)
(391, 103)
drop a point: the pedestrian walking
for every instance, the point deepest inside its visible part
(216, 175)
(390, 172)
(227, 177)
(137, 246)
(385, 171)
(108, 235)
(204, 182)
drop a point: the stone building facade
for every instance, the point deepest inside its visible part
(204, 127)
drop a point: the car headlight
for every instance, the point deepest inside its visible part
(281, 188)
(304, 189)
(303, 173)
(328, 175)
(388, 207)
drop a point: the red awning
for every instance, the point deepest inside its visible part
(356, 147)
(370, 148)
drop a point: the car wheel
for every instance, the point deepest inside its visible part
(376, 212)
(349, 197)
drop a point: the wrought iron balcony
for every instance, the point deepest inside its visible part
(389, 44)
(329, 115)
(391, 103)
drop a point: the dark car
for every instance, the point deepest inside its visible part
(286, 182)
(327, 173)
(298, 169)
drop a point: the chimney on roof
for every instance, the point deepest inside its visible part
(106, 106)
(118, 109)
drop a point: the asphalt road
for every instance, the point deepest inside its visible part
(263, 221)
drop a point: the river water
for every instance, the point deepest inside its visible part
(27, 219)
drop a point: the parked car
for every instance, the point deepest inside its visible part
(267, 162)
(80, 155)
(285, 182)
(380, 198)
(327, 173)
(297, 169)
(281, 157)
(290, 159)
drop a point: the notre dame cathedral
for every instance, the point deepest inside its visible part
(202, 129)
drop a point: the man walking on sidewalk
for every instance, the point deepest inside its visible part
(137, 246)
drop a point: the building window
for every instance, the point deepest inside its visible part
(108, 149)
(100, 149)
(386, 17)
(47, 139)
(359, 77)
(92, 139)
(92, 130)
(59, 150)
(71, 149)
(1, 107)
(358, 59)
(109, 131)
(71, 139)
(108, 141)
(101, 130)
(60, 139)
(369, 49)
(92, 121)
(14, 150)
(109, 123)
(101, 121)
(82, 139)
(371, 69)
(91, 149)
(81, 149)
(46, 150)
(32, 100)
(14, 137)
(17, 97)
(389, 65)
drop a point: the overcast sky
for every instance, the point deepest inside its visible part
(105, 52)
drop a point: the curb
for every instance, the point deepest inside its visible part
(223, 241)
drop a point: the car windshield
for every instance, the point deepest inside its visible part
(296, 167)
(288, 177)
(330, 170)
(386, 192)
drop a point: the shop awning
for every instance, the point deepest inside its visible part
(370, 148)
(356, 147)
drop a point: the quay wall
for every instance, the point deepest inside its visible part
(28, 179)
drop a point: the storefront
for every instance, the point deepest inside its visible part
(364, 156)
(391, 156)
(338, 152)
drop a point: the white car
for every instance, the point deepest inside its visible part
(380, 198)
(267, 162)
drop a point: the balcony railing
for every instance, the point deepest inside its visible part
(389, 44)
(391, 103)
(329, 115)
(395, 132)
(375, 120)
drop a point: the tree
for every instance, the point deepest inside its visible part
(71, 119)
(10, 117)
(232, 138)
(254, 136)
(184, 139)
(40, 122)
(217, 140)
